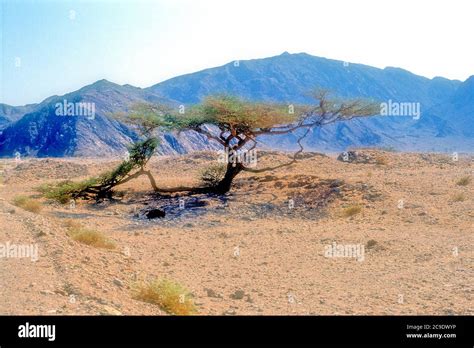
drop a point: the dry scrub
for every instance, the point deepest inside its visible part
(28, 204)
(168, 295)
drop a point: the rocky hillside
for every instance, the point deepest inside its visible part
(445, 122)
(43, 133)
(289, 77)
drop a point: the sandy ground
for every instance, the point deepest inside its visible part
(250, 252)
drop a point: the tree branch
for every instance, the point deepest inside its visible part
(210, 136)
(294, 160)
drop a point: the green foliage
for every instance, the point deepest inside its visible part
(139, 154)
(232, 112)
(63, 192)
(148, 117)
(141, 151)
(240, 121)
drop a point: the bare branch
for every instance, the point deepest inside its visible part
(210, 136)
(294, 160)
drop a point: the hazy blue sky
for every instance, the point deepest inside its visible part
(54, 47)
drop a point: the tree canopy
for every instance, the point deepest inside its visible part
(230, 121)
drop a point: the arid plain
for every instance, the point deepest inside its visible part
(262, 249)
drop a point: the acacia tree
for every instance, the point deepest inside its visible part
(233, 123)
(99, 187)
(236, 124)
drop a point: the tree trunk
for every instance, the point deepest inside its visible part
(225, 184)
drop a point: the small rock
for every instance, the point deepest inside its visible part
(371, 244)
(118, 282)
(109, 310)
(212, 293)
(336, 183)
(229, 312)
(60, 292)
(237, 295)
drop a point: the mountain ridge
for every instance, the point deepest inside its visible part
(283, 78)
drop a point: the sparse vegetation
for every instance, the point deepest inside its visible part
(351, 211)
(464, 181)
(168, 295)
(101, 186)
(322, 192)
(459, 197)
(64, 191)
(70, 223)
(90, 237)
(28, 204)
(212, 175)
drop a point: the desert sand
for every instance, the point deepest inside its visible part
(251, 252)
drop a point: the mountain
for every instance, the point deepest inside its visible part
(459, 109)
(10, 114)
(289, 77)
(446, 109)
(43, 133)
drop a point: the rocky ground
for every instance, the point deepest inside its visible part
(259, 250)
